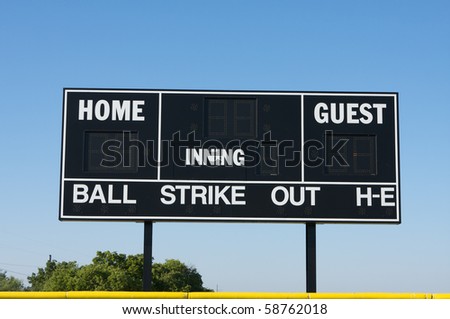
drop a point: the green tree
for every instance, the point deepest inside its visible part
(173, 275)
(56, 276)
(63, 278)
(10, 283)
(38, 280)
(111, 271)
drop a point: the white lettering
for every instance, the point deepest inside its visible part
(380, 108)
(289, 195)
(84, 108)
(360, 196)
(320, 113)
(80, 190)
(349, 113)
(285, 196)
(334, 118)
(137, 111)
(126, 200)
(171, 197)
(117, 110)
(215, 157)
(238, 192)
(313, 191)
(385, 196)
(182, 189)
(102, 110)
(81, 195)
(202, 195)
(198, 192)
(292, 196)
(121, 112)
(188, 156)
(367, 117)
(111, 200)
(97, 194)
(197, 156)
(239, 157)
(220, 195)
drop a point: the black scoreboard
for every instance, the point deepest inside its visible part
(239, 156)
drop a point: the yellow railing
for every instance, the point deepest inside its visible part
(214, 295)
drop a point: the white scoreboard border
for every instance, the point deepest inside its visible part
(227, 219)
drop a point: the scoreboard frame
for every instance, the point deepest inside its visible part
(248, 194)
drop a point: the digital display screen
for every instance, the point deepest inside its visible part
(110, 152)
(229, 118)
(359, 153)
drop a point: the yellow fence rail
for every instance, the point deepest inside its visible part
(214, 295)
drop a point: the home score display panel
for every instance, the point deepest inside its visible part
(139, 155)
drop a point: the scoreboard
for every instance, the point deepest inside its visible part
(242, 156)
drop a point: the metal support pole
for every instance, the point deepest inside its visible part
(148, 243)
(311, 269)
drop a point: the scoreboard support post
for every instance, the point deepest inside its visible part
(148, 243)
(311, 266)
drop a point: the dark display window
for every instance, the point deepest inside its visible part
(359, 154)
(111, 152)
(230, 118)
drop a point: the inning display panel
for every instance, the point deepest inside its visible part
(238, 156)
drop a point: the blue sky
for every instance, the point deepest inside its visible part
(394, 46)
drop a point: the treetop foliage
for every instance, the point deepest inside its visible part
(10, 283)
(111, 271)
